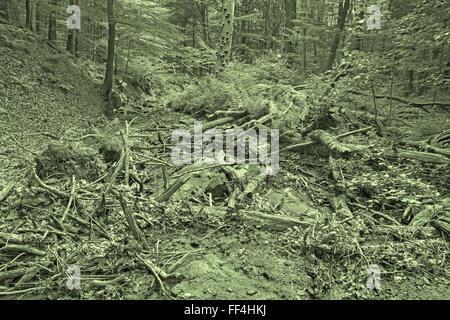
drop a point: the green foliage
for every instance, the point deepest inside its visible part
(393, 187)
(205, 97)
(256, 88)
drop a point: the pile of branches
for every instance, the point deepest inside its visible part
(98, 202)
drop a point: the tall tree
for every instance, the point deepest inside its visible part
(76, 36)
(52, 22)
(70, 34)
(343, 10)
(109, 73)
(38, 16)
(204, 19)
(226, 39)
(290, 7)
(28, 15)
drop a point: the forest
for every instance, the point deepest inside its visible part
(217, 150)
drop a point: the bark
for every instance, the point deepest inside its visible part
(52, 22)
(28, 14)
(70, 35)
(343, 9)
(409, 103)
(290, 7)
(264, 220)
(224, 51)
(109, 73)
(203, 10)
(416, 155)
(38, 16)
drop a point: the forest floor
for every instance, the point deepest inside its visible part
(45, 96)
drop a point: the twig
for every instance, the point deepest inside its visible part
(376, 213)
(150, 266)
(48, 188)
(164, 171)
(172, 189)
(27, 249)
(72, 196)
(126, 150)
(24, 148)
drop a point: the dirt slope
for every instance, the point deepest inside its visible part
(41, 90)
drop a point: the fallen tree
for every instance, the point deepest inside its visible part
(410, 103)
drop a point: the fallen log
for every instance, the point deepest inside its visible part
(427, 147)
(11, 274)
(441, 226)
(217, 123)
(416, 155)
(310, 143)
(11, 238)
(172, 189)
(227, 113)
(410, 103)
(23, 248)
(6, 190)
(265, 220)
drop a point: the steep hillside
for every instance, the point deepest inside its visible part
(38, 94)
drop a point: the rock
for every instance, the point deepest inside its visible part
(251, 292)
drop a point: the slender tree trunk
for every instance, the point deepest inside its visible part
(340, 28)
(116, 56)
(28, 15)
(305, 31)
(76, 35)
(194, 24)
(70, 34)
(224, 50)
(52, 22)
(290, 7)
(109, 73)
(128, 55)
(33, 15)
(358, 38)
(203, 10)
(38, 16)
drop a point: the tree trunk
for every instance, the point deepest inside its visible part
(128, 56)
(28, 14)
(38, 16)
(76, 35)
(290, 7)
(52, 22)
(116, 55)
(70, 34)
(109, 74)
(203, 10)
(343, 9)
(224, 50)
